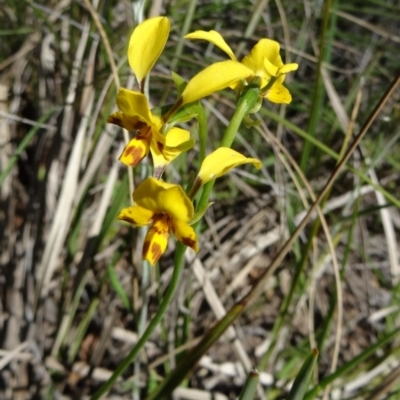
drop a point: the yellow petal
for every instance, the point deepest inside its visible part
(136, 215)
(215, 38)
(163, 155)
(156, 240)
(135, 105)
(222, 161)
(185, 234)
(265, 48)
(146, 44)
(270, 68)
(135, 151)
(176, 136)
(120, 119)
(288, 68)
(163, 197)
(213, 78)
(278, 94)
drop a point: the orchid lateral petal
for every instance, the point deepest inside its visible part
(214, 78)
(163, 197)
(185, 234)
(156, 240)
(222, 161)
(278, 94)
(146, 44)
(135, 151)
(136, 215)
(215, 38)
(177, 140)
(176, 136)
(135, 104)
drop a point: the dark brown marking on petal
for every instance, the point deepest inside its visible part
(144, 130)
(112, 119)
(156, 251)
(187, 241)
(135, 153)
(160, 146)
(127, 219)
(145, 249)
(140, 125)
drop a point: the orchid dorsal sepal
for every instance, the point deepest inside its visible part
(146, 44)
(200, 214)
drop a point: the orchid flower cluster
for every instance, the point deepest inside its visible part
(167, 207)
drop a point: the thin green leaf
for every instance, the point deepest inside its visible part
(302, 380)
(116, 284)
(249, 389)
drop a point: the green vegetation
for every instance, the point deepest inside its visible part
(301, 255)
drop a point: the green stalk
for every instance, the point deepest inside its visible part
(178, 267)
(325, 48)
(203, 132)
(164, 390)
(245, 104)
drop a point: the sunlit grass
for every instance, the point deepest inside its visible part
(82, 304)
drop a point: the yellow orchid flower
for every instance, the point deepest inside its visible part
(167, 207)
(263, 60)
(135, 115)
(218, 163)
(146, 44)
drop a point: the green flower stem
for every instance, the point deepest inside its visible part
(203, 131)
(178, 267)
(246, 103)
(164, 390)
